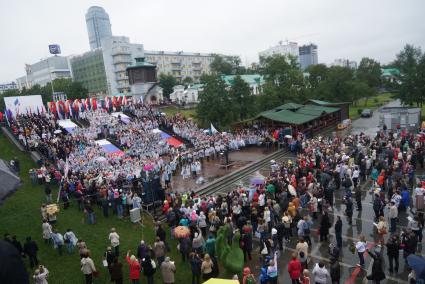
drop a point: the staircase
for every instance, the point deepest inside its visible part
(227, 183)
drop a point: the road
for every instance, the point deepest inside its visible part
(369, 125)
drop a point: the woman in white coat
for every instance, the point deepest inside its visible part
(40, 275)
(70, 240)
(47, 231)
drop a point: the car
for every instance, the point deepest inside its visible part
(367, 113)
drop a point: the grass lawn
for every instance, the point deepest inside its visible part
(172, 110)
(20, 215)
(372, 103)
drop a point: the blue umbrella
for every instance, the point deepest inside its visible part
(417, 263)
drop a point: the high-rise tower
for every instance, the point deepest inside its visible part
(98, 26)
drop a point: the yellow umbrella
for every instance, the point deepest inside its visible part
(181, 232)
(221, 281)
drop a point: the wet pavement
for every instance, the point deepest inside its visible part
(211, 170)
(362, 224)
(369, 125)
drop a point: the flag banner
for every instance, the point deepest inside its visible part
(213, 130)
(20, 104)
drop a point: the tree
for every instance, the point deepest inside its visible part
(167, 82)
(241, 98)
(369, 72)
(226, 65)
(284, 79)
(410, 63)
(73, 90)
(338, 85)
(317, 74)
(187, 81)
(214, 104)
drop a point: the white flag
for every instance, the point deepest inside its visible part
(213, 130)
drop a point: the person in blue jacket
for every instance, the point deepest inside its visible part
(405, 198)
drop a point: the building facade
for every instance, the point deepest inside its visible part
(118, 54)
(189, 95)
(308, 55)
(181, 64)
(345, 63)
(44, 71)
(290, 48)
(143, 81)
(103, 70)
(89, 69)
(8, 86)
(98, 26)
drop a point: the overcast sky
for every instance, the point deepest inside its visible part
(341, 28)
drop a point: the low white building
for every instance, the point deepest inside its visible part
(8, 86)
(255, 82)
(290, 48)
(189, 95)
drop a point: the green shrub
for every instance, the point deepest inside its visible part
(359, 111)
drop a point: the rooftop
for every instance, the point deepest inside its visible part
(250, 79)
(293, 113)
(176, 53)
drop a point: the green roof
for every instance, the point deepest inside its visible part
(325, 103)
(286, 116)
(249, 79)
(390, 72)
(196, 86)
(288, 106)
(140, 62)
(292, 113)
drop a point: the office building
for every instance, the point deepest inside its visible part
(103, 70)
(89, 69)
(8, 86)
(180, 64)
(44, 71)
(118, 53)
(290, 48)
(308, 55)
(98, 26)
(344, 63)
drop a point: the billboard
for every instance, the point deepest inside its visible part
(54, 49)
(24, 104)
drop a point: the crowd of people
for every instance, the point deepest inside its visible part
(300, 193)
(286, 207)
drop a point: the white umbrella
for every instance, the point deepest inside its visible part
(292, 190)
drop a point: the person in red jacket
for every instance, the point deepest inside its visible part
(295, 269)
(134, 268)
